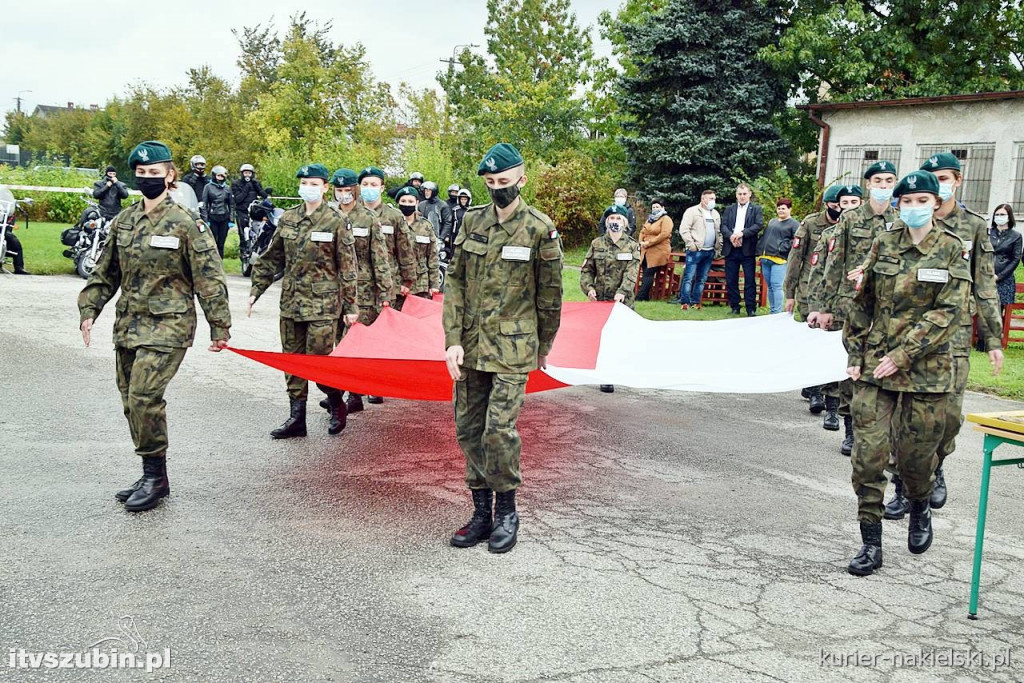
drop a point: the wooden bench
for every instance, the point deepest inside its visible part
(1013, 321)
(668, 279)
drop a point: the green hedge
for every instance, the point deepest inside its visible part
(57, 207)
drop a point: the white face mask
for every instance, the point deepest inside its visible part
(711, 204)
(310, 193)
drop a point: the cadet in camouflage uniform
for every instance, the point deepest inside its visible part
(374, 284)
(502, 308)
(844, 248)
(314, 246)
(611, 266)
(795, 284)
(161, 257)
(425, 245)
(973, 231)
(899, 334)
(402, 258)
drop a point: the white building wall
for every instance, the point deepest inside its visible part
(997, 122)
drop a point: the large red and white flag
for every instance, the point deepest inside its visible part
(401, 355)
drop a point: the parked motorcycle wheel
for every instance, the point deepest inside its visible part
(85, 265)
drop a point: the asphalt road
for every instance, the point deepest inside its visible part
(665, 536)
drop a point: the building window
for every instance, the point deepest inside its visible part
(1017, 201)
(853, 160)
(976, 168)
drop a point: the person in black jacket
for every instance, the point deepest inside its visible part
(196, 177)
(245, 190)
(741, 224)
(1006, 243)
(109, 191)
(218, 207)
(434, 210)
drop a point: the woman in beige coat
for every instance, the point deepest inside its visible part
(655, 246)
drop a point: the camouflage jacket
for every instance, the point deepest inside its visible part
(160, 261)
(503, 291)
(374, 284)
(611, 268)
(425, 246)
(318, 256)
(846, 247)
(908, 308)
(973, 231)
(399, 243)
(798, 268)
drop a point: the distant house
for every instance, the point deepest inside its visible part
(984, 130)
(44, 110)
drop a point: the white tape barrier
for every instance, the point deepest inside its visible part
(81, 190)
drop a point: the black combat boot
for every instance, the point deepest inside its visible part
(897, 507)
(325, 404)
(831, 421)
(870, 556)
(919, 536)
(607, 388)
(338, 413)
(125, 494)
(805, 393)
(478, 528)
(154, 486)
(354, 403)
(295, 425)
(817, 403)
(938, 497)
(506, 523)
(847, 447)
(375, 400)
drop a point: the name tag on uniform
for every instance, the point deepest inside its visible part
(888, 227)
(515, 253)
(387, 229)
(968, 245)
(623, 257)
(321, 236)
(164, 242)
(422, 239)
(940, 275)
(361, 232)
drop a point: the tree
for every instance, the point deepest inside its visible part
(700, 105)
(884, 49)
(529, 93)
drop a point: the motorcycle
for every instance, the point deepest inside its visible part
(444, 257)
(263, 219)
(86, 239)
(9, 206)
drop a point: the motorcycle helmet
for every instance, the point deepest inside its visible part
(430, 185)
(464, 192)
(246, 167)
(196, 161)
(219, 170)
(416, 176)
(454, 187)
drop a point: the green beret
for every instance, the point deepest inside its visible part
(313, 171)
(941, 161)
(880, 167)
(917, 181)
(615, 208)
(501, 157)
(849, 191)
(148, 152)
(831, 194)
(407, 190)
(371, 171)
(344, 177)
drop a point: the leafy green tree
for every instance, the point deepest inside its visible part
(700, 106)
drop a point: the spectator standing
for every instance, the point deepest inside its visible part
(218, 207)
(245, 191)
(620, 199)
(773, 250)
(109, 191)
(437, 212)
(741, 224)
(1006, 243)
(655, 246)
(702, 238)
(196, 177)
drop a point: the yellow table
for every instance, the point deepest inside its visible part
(998, 428)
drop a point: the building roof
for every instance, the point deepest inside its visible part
(914, 101)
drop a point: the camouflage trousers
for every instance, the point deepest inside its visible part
(841, 390)
(905, 423)
(312, 337)
(954, 408)
(143, 374)
(487, 405)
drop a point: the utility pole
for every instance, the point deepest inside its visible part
(19, 98)
(455, 51)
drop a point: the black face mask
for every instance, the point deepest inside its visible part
(406, 209)
(150, 187)
(503, 196)
(834, 214)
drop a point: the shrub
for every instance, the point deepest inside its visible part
(58, 207)
(574, 193)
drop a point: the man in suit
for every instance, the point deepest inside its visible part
(741, 223)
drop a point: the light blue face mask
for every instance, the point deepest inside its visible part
(881, 196)
(945, 191)
(369, 194)
(310, 193)
(916, 217)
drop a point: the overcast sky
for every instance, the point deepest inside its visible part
(87, 52)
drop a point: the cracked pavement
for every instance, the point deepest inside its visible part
(665, 536)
